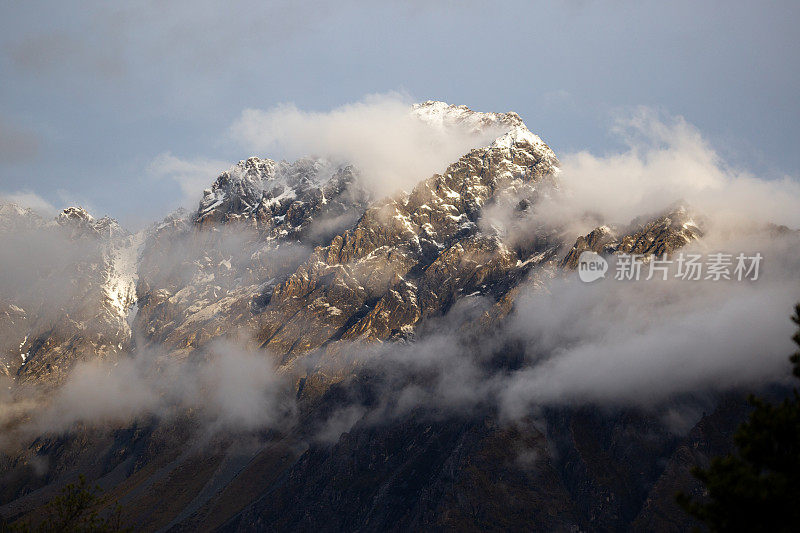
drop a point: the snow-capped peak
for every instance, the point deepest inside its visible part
(74, 214)
(506, 129)
(448, 116)
(12, 209)
(256, 182)
(13, 216)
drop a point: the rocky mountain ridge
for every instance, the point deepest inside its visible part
(304, 265)
(81, 274)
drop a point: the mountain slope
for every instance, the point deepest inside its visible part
(78, 283)
(345, 294)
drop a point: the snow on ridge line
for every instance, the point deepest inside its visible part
(515, 135)
(122, 274)
(250, 178)
(444, 114)
(254, 170)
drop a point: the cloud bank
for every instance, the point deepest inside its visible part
(29, 199)
(666, 161)
(226, 388)
(392, 148)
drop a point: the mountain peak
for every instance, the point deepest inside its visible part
(72, 214)
(448, 116)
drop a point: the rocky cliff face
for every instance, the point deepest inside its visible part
(78, 284)
(657, 236)
(409, 257)
(300, 261)
(212, 271)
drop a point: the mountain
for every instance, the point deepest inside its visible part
(212, 270)
(341, 291)
(78, 284)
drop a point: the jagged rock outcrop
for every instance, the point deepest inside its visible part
(409, 257)
(658, 235)
(68, 288)
(307, 200)
(205, 274)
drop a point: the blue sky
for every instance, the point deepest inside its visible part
(91, 95)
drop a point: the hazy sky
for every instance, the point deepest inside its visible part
(95, 98)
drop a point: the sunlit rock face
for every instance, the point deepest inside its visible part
(300, 253)
(410, 256)
(207, 273)
(659, 235)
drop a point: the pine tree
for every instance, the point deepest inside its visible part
(756, 488)
(76, 510)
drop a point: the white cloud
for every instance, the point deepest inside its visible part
(667, 160)
(30, 200)
(640, 343)
(191, 175)
(229, 389)
(392, 148)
